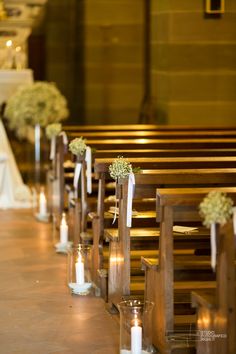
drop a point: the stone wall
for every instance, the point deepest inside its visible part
(95, 54)
(113, 60)
(193, 63)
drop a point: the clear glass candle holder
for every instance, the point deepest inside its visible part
(136, 327)
(79, 269)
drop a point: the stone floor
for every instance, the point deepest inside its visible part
(37, 313)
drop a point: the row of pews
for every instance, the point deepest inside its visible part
(194, 306)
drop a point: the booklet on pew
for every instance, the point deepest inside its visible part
(184, 229)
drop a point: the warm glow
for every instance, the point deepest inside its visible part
(136, 322)
(42, 196)
(142, 141)
(80, 259)
(63, 220)
(18, 49)
(9, 43)
(116, 259)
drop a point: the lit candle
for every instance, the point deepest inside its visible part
(9, 56)
(79, 270)
(42, 204)
(136, 338)
(63, 229)
(19, 61)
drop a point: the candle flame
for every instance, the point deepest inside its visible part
(9, 43)
(136, 322)
(63, 219)
(80, 258)
(42, 196)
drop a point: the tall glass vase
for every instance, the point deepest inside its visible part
(136, 327)
(37, 154)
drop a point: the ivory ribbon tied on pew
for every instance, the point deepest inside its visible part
(76, 176)
(234, 223)
(53, 144)
(64, 137)
(213, 245)
(88, 159)
(131, 185)
(53, 148)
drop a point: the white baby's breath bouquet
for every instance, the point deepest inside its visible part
(216, 208)
(37, 103)
(78, 146)
(52, 130)
(120, 168)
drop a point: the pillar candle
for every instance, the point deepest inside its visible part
(42, 204)
(136, 339)
(9, 56)
(63, 230)
(79, 271)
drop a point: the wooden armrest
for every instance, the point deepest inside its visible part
(151, 263)
(206, 298)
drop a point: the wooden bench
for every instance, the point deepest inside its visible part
(146, 182)
(216, 310)
(160, 284)
(149, 162)
(143, 127)
(148, 134)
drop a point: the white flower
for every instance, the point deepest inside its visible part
(120, 168)
(216, 207)
(37, 103)
(78, 146)
(53, 130)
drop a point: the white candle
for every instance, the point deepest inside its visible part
(79, 271)
(136, 339)
(19, 58)
(9, 56)
(42, 204)
(63, 230)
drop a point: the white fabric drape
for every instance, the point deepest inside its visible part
(13, 192)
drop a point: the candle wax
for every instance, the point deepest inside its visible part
(136, 340)
(63, 232)
(42, 204)
(79, 272)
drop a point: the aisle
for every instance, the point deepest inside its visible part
(38, 315)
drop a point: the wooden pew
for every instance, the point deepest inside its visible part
(61, 180)
(154, 134)
(143, 127)
(160, 277)
(147, 180)
(216, 310)
(82, 207)
(195, 143)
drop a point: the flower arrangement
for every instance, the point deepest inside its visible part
(78, 146)
(53, 130)
(37, 103)
(120, 168)
(216, 208)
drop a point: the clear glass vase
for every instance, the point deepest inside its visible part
(79, 269)
(136, 327)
